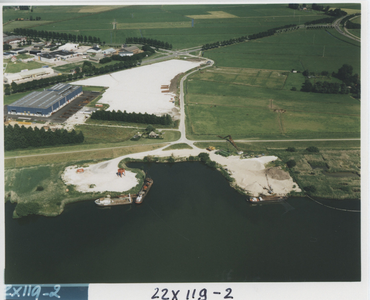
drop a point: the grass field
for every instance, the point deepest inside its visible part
(22, 183)
(163, 22)
(18, 66)
(265, 109)
(316, 50)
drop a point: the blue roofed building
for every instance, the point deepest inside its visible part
(46, 102)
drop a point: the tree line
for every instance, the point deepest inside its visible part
(131, 117)
(248, 37)
(54, 35)
(320, 21)
(149, 42)
(350, 82)
(21, 137)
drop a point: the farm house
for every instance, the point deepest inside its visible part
(46, 102)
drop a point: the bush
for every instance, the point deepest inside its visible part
(293, 89)
(204, 157)
(291, 149)
(312, 149)
(39, 188)
(291, 163)
(310, 189)
(24, 209)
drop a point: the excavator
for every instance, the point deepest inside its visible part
(230, 140)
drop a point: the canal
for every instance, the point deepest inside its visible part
(191, 227)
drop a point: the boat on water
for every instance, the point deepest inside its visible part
(266, 198)
(148, 182)
(120, 200)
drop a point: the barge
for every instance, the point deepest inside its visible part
(148, 182)
(120, 200)
(266, 198)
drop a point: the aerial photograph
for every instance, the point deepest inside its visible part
(204, 143)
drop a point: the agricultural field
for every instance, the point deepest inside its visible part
(261, 108)
(316, 50)
(181, 25)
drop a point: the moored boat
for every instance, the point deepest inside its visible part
(266, 198)
(148, 182)
(120, 200)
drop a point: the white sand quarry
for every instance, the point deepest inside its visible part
(249, 173)
(139, 89)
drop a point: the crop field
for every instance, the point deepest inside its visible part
(316, 50)
(265, 110)
(244, 76)
(154, 25)
(172, 23)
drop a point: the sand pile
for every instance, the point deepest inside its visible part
(99, 178)
(250, 174)
(139, 89)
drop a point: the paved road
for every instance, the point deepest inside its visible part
(336, 25)
(182, 127)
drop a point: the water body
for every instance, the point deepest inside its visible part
(192, 227)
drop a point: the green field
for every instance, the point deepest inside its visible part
(169, 23)
(264, 110)
(316, 50)
(18, 66)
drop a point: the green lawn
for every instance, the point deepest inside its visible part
(18, 66)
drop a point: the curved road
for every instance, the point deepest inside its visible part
(336, 25)
(182, 127)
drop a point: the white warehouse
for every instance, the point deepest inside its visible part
(27, 75)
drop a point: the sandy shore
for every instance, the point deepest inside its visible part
(250, 174)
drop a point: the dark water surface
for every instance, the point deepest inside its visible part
(192, 227)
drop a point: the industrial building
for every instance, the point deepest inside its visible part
(55, 55)
(26, 75)
(46, 102)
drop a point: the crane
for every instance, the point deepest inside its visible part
(230, 140)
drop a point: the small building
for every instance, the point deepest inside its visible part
(27, 75)
(69, 47)
(124, 52)
(109, 51)
(153, 135)
(133, 49)
(46, 102)
(94, 49)
(13, 39)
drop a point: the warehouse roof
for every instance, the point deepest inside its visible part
(46, 98)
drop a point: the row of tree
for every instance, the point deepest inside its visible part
(325, 87)
(54, 35)
(149, 42)
(21, 137)
(131, 117)
(248, 37)
(320, 21)
(351, 82)
(351, 25)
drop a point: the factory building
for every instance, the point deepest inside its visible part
(26, 75)
(46, 102)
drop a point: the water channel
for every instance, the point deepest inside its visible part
(192, 227)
